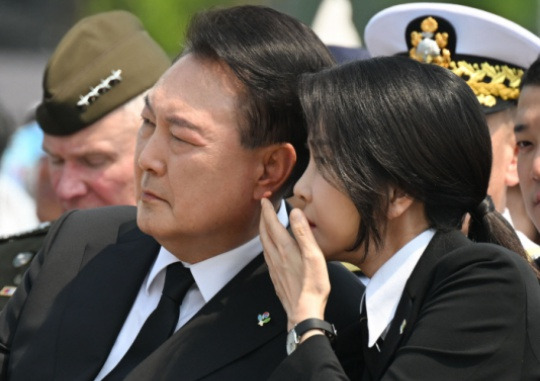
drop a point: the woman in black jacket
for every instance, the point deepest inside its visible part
(400, 154)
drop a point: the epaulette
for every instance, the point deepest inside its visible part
(41, 229)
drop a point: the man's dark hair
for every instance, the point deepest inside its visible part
(267, 51)
(532, 75)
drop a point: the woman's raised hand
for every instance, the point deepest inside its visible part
(297, 265)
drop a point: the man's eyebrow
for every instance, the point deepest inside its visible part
(520, 128)
(182, 122)
(174, 120)
(85, 151)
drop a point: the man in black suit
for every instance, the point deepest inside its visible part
(220, 130)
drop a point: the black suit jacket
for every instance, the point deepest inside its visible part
(468, 312)
(64, 318)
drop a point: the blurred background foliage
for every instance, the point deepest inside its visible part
(166, 19)
(31, 29)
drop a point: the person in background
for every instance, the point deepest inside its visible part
(93, 88)
(490, 54)
(527, 130)
(26, 163)
(400, 153)
(17, 208)
(177, 288)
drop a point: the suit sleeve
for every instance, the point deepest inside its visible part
(313, 360)
(316, 359)
(10, 313)
(472, 323)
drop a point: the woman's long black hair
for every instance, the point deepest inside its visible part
(394, 121)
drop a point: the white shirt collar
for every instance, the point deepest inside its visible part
(213, 273)
(385, 288)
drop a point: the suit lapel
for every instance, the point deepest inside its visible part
(413, 295)
(224, 330)
(394, 336)
(95, 311)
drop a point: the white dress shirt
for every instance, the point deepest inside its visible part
(210, 275)
(386, 286)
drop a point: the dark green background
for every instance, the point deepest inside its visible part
(166, 19)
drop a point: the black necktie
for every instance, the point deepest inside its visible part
(160, 324)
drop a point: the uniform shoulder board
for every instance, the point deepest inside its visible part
(41, 229)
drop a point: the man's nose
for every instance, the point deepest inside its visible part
(70, 183)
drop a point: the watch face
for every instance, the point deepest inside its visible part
(292, 341)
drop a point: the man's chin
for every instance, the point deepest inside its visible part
(142, 220)
(146, 220)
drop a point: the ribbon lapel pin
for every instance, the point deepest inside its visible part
(263, 318)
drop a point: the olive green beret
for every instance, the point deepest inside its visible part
(101, 63)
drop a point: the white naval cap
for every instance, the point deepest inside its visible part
(488, 51)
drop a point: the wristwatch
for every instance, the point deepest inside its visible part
(295, 334)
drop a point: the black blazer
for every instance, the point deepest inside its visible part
(468, 312)
(64, 318)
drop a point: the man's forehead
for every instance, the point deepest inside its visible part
(532, 92)
(195, 78)
(529, 103)
(206, 66)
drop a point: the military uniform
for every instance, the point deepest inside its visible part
(102, 63)
(16, 253)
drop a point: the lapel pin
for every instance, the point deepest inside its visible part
(8, 291)
(263, 318)
(402, 327)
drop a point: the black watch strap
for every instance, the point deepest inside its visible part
(309, 324)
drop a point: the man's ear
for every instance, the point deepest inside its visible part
(511, 177)
(277, 164)
(398, 203)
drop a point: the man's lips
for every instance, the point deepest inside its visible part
(150, 196)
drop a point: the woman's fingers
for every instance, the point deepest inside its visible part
(282, 241)
(297, 269)
(275, 261)
(303, 234)
(265, 239)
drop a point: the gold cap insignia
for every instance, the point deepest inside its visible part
(488, 80)
(428, 46)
